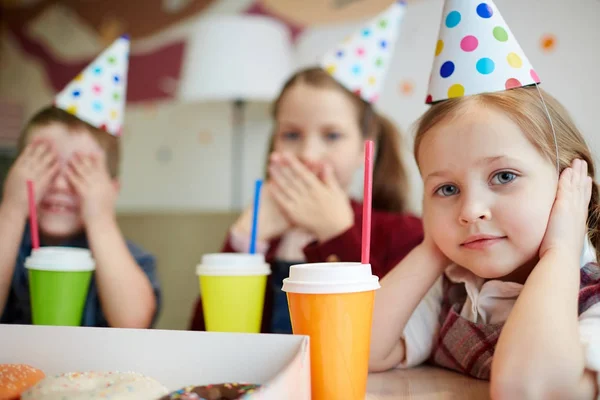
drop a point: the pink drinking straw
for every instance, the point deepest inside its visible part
(367, 203)
(33, 221)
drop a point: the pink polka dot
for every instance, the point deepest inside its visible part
(97, 89)
(534, 76)
(469, 43)
(512, 83)
(360, 51)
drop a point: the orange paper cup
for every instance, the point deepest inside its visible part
(332, 303)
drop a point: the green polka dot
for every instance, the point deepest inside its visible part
(500, 34)
(112, 60)
(379, 62)
(383, 23)
(116, 96)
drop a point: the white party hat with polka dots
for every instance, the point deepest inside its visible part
(361, 62)
(476, 53)
(97, 95)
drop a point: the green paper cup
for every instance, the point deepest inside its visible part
(59, 279)
(232, 286)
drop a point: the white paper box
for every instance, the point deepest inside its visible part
(175, 358)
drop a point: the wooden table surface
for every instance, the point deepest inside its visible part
(425, 383)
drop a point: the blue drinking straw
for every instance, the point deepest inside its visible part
(257, 188)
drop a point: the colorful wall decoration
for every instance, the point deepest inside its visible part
(154, 74)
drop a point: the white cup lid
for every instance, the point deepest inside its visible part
(70, 259)
(233, 264)
(324, 278)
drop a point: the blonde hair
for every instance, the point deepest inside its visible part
(390, 178)
(525, 108)
(49, 115)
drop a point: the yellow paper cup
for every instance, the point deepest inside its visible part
(232, 287)
(332, 303)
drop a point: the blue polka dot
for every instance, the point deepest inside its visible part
(339, 54)
(383, 44)
(453, 19)
(76, 93)
(97, 105)
(484, 10)
(485, 66)
(356, 69)
(447, 69)
(117, 79)
(366, 32)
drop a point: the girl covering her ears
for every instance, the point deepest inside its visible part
(502, 287)
(518, 303)
(306, 212)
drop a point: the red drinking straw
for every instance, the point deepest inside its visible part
(367, 203)
(33, 221)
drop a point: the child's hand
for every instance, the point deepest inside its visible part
(90, 178)
(567, 225)
(38, 163)
(320, 206)
(271, 221)
(440, 258)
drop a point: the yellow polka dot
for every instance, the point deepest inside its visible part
(372, 80)
(514, 60)
(78, 78)
(114, 114)
(456, 90)
(330, 69)
(439, 47)
(72, 110)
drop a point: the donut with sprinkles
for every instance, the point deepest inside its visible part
(96, 385)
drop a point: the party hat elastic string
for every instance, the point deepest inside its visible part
(551, 126)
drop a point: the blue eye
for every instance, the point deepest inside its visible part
(290, 135)
(447, 191)
(503, 177)
(333, 136)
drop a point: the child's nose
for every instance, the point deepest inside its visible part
(60, 182)
(473, 210)
(311, 153)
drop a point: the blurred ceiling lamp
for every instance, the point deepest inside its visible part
(237, 58)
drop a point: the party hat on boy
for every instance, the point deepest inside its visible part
(476, 53)
(361, 62)
(97, 95)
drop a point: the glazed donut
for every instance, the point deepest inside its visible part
(96, 385)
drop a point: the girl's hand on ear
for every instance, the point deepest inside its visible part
(272, 223)
(567, 225)
(441, 261)
(320, 206)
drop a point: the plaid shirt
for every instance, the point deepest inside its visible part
(468, 347)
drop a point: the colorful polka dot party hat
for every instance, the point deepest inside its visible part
(361, 62)
(476, 53)
(97, 95)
